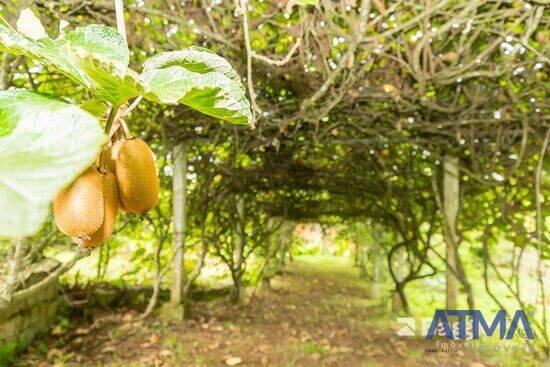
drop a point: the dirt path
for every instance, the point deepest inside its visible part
(316, 315)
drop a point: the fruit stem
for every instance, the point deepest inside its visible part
(111, 119)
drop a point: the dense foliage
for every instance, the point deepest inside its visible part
(356, 105)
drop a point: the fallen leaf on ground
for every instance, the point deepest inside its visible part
(125, 327)
(341, 332)
(263, 348)
(82, 331)
(58, 330)
(315, 356)
(372, 351)
(233, 361)
(154, 339)
(343, 349)
(293, 340)
(401, 351)
(304, 337)
(54, 353)
(165, 353)
(214, 345)
(108, 349)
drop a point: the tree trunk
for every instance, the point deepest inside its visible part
(399, 299)
(360, 250)
(451, 204)
(356, 255)
(465, 282)
(237, 273)
(323, 249)
(237, 295)
(375, 259)
(177, 293)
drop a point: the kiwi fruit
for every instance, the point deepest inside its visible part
(111, 200)
(106, 160)
(78, 208)
(136, 175)
(107, 163)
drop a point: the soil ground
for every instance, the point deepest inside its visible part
(314, 315)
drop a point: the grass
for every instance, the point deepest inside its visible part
(312, 348)
(9, 351)
(425, 296)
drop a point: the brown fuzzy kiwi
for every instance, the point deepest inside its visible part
(110, 164)
(106, 160)
(122, 207)
(136, 176)
(111, 200)
(78, 208)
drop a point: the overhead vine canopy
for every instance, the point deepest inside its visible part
(352, 89)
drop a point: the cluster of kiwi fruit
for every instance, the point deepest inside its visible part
(124, 177)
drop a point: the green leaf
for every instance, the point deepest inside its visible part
(100, 41)
(110, 81)
(198, 59)
(94, 56)
(200, 79)
(47, 51)
(211, 93)
(94, 106)
(44, 144)
(2, 19)
(103, 55)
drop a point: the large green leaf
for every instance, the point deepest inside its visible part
(94, 56)
(97, 57)
(110, 81)
(101, 41)
(198, 59)
(47, 51)
(211, 93)
(103, 55)
(44, 144)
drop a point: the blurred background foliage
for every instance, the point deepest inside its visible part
(356, 106)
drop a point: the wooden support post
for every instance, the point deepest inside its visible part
(451, 205)
(179, 157)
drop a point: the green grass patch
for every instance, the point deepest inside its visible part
(9, 352)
